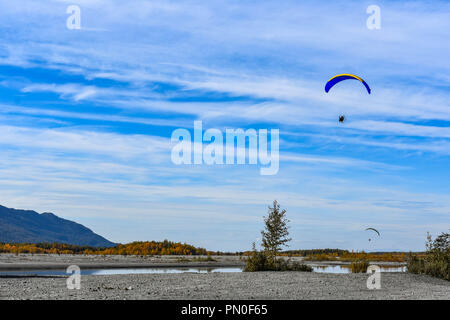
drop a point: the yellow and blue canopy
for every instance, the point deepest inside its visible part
(345, 76)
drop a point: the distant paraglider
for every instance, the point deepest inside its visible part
(373, 230)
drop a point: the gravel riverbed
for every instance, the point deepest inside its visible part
(234, 285)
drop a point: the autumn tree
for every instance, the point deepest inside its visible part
(275, 233)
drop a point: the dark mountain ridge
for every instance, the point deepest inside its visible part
(27, 226)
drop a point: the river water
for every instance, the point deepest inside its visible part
(321, 268)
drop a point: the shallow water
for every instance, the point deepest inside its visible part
(119, 271)
(347, 269)
(321, 268)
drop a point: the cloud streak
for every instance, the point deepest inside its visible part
(86, 117)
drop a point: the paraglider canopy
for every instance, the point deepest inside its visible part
(373, 230)
(344, 76)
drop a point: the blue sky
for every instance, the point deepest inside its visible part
(86, 118)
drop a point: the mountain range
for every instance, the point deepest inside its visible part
(27, 226)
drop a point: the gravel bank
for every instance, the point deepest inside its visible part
(259, 285)
(11, 262)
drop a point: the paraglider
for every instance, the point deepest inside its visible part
(373, 230)
(341, 77)
(344, 76)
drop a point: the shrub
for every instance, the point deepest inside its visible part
(436, 262)
(415, 264)
(258, 261)
(263, 261)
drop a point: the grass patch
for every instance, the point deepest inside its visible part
(359, 266)
(203, 259)
(197, 259)
(183, 259)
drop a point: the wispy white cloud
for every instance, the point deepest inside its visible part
(76, 92)
(120, 146)
(232, 63)
(8, 109)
